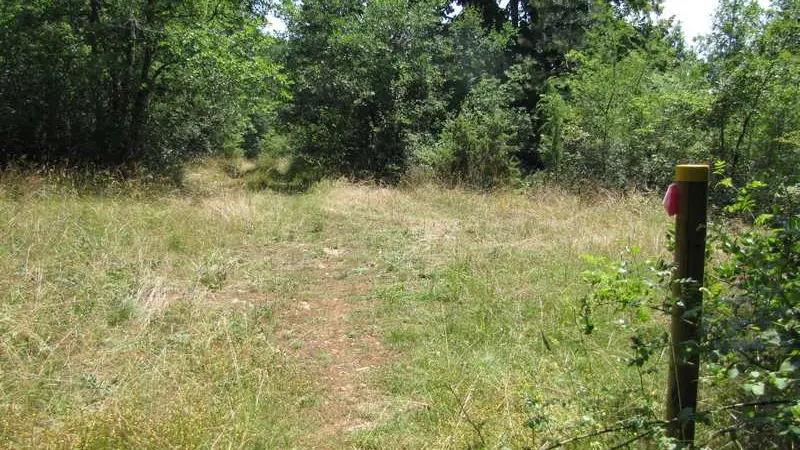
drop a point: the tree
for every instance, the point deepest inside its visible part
(373, 81)
(119, 84)
(753, 70)
(630, 109)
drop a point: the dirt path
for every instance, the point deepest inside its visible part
(318, 329)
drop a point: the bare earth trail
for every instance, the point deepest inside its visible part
(316, 330)
(323, 323)
(325, 327)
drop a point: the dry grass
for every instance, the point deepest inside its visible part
(352, 316)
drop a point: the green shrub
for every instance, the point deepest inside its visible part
(477, 147)
(752, 322)
(750, 334)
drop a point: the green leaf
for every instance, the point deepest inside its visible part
(726, 182)
(787, 366)
(781, 383)
(719, 167)
(763, 219)
(754, 388)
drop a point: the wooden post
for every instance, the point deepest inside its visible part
(690, 244)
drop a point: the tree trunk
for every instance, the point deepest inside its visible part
(513, 9)
(96, 81)
(144, 83)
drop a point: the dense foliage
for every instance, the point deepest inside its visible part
(124, 84)
(632, 111)
(750, 325)
(471, 92)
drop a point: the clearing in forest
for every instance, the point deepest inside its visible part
(351, 316)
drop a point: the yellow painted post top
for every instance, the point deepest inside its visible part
(692, 172)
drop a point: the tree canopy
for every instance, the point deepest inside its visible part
(125, 83)
(591, 92)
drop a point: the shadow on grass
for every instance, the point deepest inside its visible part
(289, 175)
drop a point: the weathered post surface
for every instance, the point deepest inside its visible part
(690, 243)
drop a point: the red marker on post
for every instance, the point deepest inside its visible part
(670, 201)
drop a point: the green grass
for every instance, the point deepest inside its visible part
(350, 316)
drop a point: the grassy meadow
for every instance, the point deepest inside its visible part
(348, 317)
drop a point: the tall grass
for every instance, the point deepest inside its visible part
(186, 318)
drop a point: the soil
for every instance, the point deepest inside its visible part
(318, 329)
